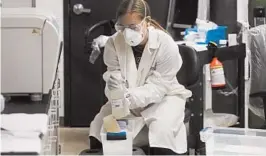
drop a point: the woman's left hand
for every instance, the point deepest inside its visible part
(114, 83)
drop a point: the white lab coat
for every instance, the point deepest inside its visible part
(155, 92)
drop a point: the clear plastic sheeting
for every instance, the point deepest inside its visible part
(97, 43)
(257, 46)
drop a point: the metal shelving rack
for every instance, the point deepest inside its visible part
(51, 139)
(51, 144)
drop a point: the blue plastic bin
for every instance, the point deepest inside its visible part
(214, 35)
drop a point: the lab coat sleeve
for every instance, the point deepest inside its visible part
(161, 80)
(111, 61)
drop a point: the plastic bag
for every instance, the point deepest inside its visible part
(199, 33)
(203, 27)
(97, 43)
(219, 119)
(96, 51)
(191, 36)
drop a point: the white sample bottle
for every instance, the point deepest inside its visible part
(119, 108)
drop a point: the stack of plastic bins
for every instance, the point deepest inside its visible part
(121, 147)
(234, 141)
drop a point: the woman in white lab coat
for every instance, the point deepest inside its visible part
(144, 60)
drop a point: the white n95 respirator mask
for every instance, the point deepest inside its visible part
(132, 37)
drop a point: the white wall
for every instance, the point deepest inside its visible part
(242, 11)
(0, 43)
(55, 7)
(16, 3)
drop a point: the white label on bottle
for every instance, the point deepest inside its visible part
(118, 108)
(217, 76)
(117, 103)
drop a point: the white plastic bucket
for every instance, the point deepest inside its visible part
(117, 147)
(122, 147)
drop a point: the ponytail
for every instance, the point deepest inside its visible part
(156, 25)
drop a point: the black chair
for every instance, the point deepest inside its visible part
(189, 76)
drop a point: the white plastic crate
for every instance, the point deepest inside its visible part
(117, 147)
(122, 147)
(234, 141)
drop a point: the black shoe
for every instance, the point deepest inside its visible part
(91, 152)
(263, 126)
(146, 149)
(95, 143)
(163, 151)
(95, 148)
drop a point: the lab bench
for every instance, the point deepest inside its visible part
(45, 113)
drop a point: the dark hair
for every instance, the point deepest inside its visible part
(138, 6)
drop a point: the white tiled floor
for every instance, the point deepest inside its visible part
(73, 140)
